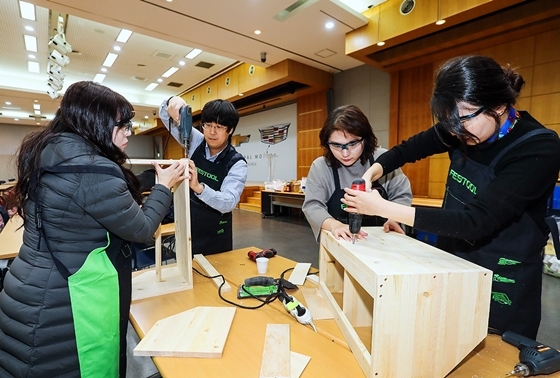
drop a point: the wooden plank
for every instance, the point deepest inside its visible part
(299, 273)
(276, 352)
(298, 362)
(11, 238)
(211, 271)
(199, 332)
(145, 284)
(316, 303)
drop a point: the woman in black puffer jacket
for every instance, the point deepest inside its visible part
(64, 308)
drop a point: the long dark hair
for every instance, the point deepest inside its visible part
(90, 110)
(477, 80)
(348, 119)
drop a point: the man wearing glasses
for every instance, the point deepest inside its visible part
(217, 174)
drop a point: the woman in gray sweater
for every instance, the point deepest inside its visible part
(64, 307)
(350, 148)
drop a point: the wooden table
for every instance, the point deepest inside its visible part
(272, 198)
(6, 186)
(330, 355)
(11, 238)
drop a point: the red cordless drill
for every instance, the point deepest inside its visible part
(271, 252)
(355, 219)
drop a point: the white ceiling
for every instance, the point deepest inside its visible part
(224, 30)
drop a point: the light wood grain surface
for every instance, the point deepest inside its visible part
(330, 355)
(11, 238)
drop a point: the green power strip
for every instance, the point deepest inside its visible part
(256, 291)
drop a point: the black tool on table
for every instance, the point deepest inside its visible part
(534, 357)
(355, 219)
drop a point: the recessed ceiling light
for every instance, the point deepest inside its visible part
(110, 59)
(182, 63)
(35, 100)
(240, 94)
(103, 69)
(146, 117)
(169, 1)
(16, 119)
(124, 35)
(151, 86)
(329, 25)
(33, 67)
(38, 112)
(31, 56)
(36, 106)
(117, 48)
(30, 43)
(380, 43)
(29, 28)
(99, 78)
(257, 32)
(159, 80)
(193, 54)
(27, 10)
(440, 22)
(8, 103)
(170, 72)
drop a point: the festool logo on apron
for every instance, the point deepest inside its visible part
(463, 181)
(207, 175)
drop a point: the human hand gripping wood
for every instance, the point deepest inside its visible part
(194, 184)
(341, 230)
(173, 174)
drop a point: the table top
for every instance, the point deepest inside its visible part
(300, 194)
(11, 238)
(330, 355)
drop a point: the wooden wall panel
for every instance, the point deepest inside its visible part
(312, 112)
(208, 92)
(392, 23)
(539, 65)
(414, 115)
(228, 85)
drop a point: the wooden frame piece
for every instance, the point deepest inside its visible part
(141, 287)
(211, 271)
(420, 309)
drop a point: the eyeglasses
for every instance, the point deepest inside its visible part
(215, 127)
(472, 115)
(347, 146)
(127, 125)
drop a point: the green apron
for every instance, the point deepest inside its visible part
(94, 296)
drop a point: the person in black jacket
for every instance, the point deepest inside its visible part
(504, 166)
(65, 304)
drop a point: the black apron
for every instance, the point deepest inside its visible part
(514, 254)
(336, 208)
(211, 230)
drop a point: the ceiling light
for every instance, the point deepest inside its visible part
(170, 72)
(159, 80)
(440, 22)
(151, 86)
(110, 59)
(329, 25)
(38, 112)
(36, 106)
(124, 35)
(33, 67)
(193, 54)
(257, 32)
(16, 119)
(29, 28)
(117, 48)
(103, 69)
(99, 78)
(361, 5)
(182, 63)
(146, 117)
(8, 103)
(240, 94)
(27, 10)
(35, 100)
(380, 43)
(31, 56)
(30, 43)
